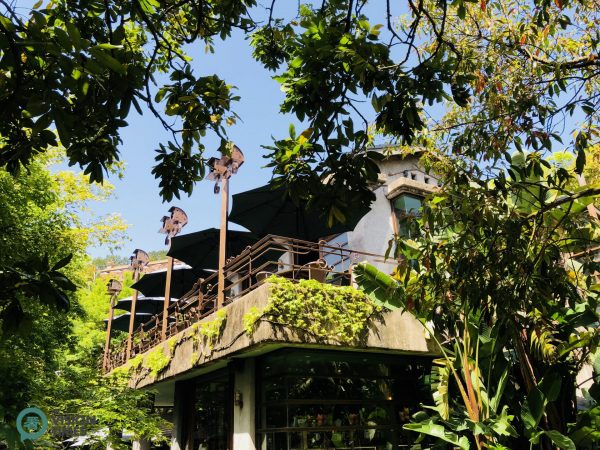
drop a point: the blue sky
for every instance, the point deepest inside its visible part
(136, 195)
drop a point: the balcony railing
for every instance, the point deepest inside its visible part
(273, 255)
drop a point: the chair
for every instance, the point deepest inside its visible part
(318, 270)
(262, 276)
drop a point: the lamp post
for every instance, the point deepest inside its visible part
(171, 227)
(138, 261)
(221, 170)
(113, 288)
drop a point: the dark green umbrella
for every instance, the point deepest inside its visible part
(150, 305)
(201, 249)
(267, 210)
(121, 322)
(182, 281)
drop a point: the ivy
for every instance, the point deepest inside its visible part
(204, 335)
(324, 311)
(156, 361)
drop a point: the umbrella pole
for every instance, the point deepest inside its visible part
(223, 242)
(136, 277)
(165, 318)
(108, 333)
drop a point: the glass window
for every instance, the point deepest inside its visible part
(212, 413)
(342, 400)
(407, 208)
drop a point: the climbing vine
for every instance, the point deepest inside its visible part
(156, 361)
(339, 313)
(204, 335)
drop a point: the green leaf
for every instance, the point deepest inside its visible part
(107, 60)
(63, 262)
(560, 440)
(431, 428)
(533, 409)
(382, 288)
(580, 161)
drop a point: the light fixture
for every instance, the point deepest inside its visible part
(222, 168)
(139, 259)
(238, 399)
(172, 225)
(113, 287)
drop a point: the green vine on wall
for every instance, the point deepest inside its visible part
(325, 311)
(205, 334)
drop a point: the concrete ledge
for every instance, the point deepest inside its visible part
(408, 186)
(395, 332)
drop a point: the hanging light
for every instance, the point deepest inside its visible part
(222, 168)
(139, 259)
(174, 223)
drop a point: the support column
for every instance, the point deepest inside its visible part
(183, 415)
(244, 421)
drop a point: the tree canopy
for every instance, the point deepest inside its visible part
(508, 74)
(500, 277)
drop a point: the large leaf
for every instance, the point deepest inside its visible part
(431, 428)
(562, 441)
(382, 288)
(439, 387)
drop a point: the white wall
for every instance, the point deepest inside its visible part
(376, 228)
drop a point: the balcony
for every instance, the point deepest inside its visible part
(246, 287)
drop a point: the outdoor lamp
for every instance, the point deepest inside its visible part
(238, 400)
(114, 287)
(172, 225)
(139, 259)
(222, 168)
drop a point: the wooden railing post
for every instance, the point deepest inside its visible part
(223, 242)
(165, 318)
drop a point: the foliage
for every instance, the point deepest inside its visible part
(205, 335)
(506, 74)
(513, 313)
(157, 361)
(324, 311)
(50, 359)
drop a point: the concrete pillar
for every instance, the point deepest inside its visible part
(183, 416)
(142, 444)
(244, 422)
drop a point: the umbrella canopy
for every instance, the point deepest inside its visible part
(150, 305)
(182, 280)
(267, 210)
(121, 322)
(201, 249)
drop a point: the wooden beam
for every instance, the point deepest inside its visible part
(223, 242)
(108, 332)
(165, 319)
(136, 277)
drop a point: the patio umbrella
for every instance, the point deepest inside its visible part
(267, 210)
(151, 305)
(182, 280)
(121, 322)
(201, 249)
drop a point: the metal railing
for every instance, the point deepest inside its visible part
(290, 258)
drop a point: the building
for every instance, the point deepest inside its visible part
(263, 372)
